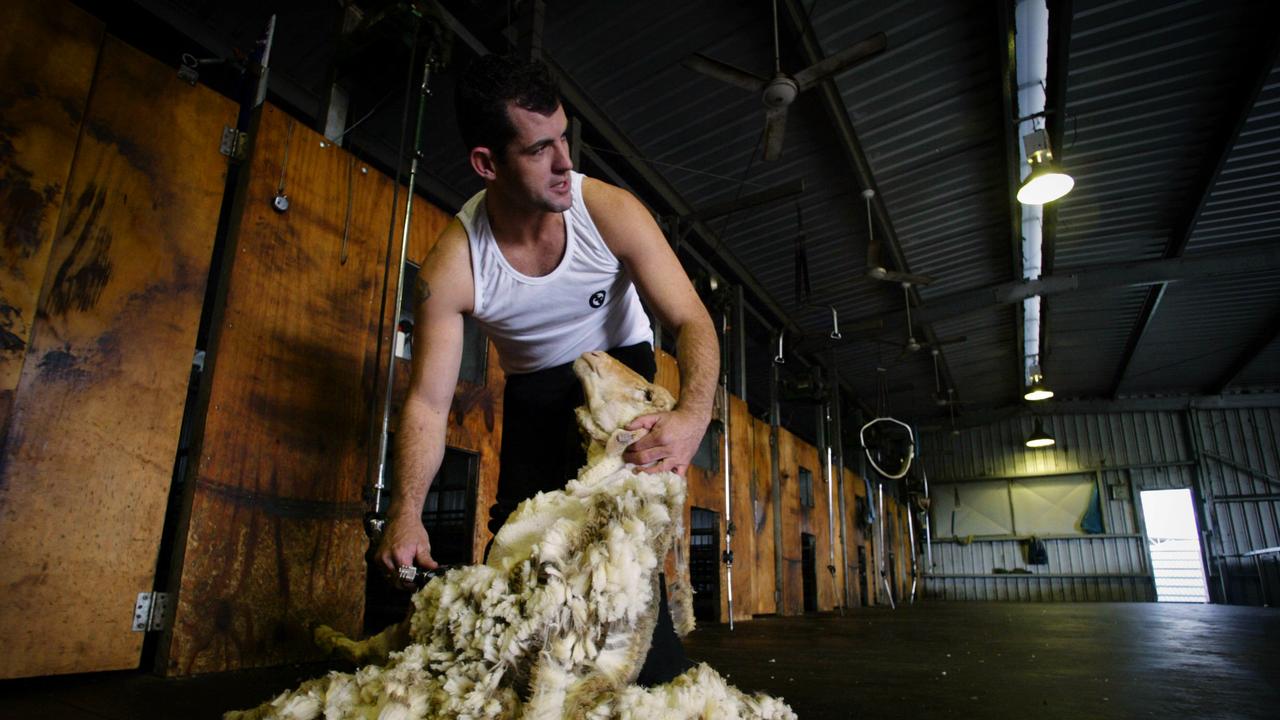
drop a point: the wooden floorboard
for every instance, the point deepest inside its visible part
(940, 660)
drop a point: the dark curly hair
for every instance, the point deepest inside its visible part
(485, 88)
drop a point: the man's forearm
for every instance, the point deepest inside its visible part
(419, 450)
(698, 352)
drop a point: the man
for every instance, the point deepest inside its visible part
(549, 263)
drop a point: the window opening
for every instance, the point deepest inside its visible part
(806, 487)
(475, 346)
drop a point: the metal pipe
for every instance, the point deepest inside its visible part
(838, 431)
(423, 91)
(727, 465)
(883, 551)
(911, 534)
(828, 470)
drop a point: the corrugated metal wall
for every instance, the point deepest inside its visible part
(1230, 459)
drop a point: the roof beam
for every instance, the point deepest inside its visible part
(1268, 336)
(847, 138)
(978, 417)
(1245, 96)
(1265, 257)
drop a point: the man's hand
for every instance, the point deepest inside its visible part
(671, 441)
(404, 544)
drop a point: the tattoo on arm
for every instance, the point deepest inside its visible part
(421, 290)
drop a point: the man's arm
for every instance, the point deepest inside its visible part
(442, 293)
(636, 240)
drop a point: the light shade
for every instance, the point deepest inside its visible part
(1039, 438)
(1038, 391)
(1046, 183)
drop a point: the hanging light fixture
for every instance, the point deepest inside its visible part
(1037, 390)
(1039, 438)
(1046, 182)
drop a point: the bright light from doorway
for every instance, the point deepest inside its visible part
(1174, 544)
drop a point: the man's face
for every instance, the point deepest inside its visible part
(534, 170)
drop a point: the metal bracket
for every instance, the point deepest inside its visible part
(151, 611)
(234, 143)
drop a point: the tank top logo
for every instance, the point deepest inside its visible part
(597, 299)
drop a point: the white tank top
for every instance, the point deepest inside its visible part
(587, 302)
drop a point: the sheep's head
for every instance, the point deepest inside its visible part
(616, 395)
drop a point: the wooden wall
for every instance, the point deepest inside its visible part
(93, 430)
(39, 126)
(271, 538)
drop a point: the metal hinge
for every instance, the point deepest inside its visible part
(234, 143)
(151, 612)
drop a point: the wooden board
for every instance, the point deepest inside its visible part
(744, 536)
(41, 106)
(792, 578)
(96, 417)
(764, 570)
(272, 537)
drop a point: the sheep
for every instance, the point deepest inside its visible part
(557, 622)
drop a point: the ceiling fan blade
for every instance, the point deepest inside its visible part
(841, 61)
(953, 340)
(775, 127)
(901, 277)
(723, 72)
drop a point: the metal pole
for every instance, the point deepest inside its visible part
(828, 470)
(884, 556)
(838, 431)
(423, 91)
(728, 494)
(911, 535)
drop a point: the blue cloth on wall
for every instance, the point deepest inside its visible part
(1091, 523)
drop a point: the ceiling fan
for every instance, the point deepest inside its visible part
(875, 268)
(778, 92)
(913, 344)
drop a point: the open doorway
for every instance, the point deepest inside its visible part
(704, 563)
(1174, 543)
(809, 568)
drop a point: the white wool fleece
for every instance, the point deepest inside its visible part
(556, 625)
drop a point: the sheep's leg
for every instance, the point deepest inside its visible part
(373, 650)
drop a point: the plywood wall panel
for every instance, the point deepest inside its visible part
(741, 448)
(792, 587)
(764, 569)
(273, 538)
(96, 417)
(41, 106)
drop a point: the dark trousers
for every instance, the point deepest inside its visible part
(542, 449)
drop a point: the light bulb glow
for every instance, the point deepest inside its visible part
(1045, 186)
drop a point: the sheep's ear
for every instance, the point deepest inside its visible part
(620, 439)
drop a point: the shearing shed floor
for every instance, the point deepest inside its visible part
(930, 660)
